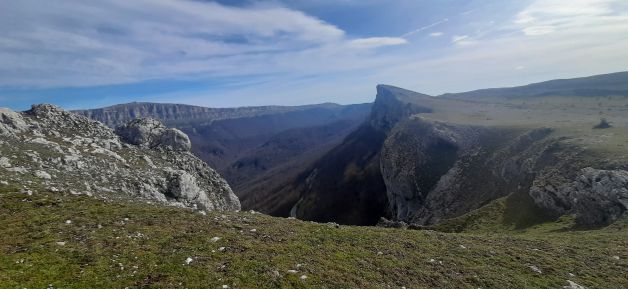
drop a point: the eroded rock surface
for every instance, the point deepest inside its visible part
(47, 148)
(595, 196)
(151, 133)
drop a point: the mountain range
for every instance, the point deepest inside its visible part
(523, 187)
(412, 157)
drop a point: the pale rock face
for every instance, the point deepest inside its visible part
(4, 162)
(88, 157)
(11, 122)
(43, 175)
(151, 133)
(597, 197)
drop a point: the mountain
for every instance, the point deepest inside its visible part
(475, 193)
(181, 114)
(257, 149)
(48, 149)
(426, 160)
(612, 84)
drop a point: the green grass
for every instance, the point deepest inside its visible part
(102, 250)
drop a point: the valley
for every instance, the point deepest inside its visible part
(414, 191)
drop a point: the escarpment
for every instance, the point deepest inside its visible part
(435, 170)
(346, 184)
(423, 160)
(49, 149)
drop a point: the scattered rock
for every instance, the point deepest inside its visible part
(43, 175)
(4, 162)
(536, 269)
(188, 260)
(573, 285)
(214, 239)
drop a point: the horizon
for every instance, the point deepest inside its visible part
(258, 53)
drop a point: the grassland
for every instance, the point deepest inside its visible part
(81, 242)
(572, 118)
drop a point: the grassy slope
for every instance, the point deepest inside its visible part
(149, 250)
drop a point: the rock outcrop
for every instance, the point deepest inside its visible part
(150, 133)
(47, 148)
(435, 170)
(596, 197)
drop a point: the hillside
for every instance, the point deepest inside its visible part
(256, 149)
(423, 159)
(82, 242)
(612, 84)
(49, 149)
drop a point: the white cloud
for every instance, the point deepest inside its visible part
(463, 40)
(377, 42)
(437, 34)
(549, 16)
(458, 38)
(83, 43)
(426, 27)
(538, 30)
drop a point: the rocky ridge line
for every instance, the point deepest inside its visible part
(47, 148)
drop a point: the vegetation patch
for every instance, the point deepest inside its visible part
(81, 242)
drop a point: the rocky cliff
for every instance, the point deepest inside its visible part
(185, 115)
(346, 184)
(422, 160)
(49, 149)
(258, 150)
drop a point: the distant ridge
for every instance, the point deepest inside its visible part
(612, 84)
(183, 114)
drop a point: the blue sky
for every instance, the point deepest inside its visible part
(85, 54)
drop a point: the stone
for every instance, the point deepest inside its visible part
(573, 285)
(43, 175)
(4, 162)
(11, 122)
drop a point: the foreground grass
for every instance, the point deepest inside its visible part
(80, 242)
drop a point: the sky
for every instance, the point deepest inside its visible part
(95, 53)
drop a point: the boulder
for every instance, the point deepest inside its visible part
(11, 122)
(148, 132)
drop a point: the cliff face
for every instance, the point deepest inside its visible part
(346, 184)
(410, 163)
(181, 115)
(48, 149)
(435, 170)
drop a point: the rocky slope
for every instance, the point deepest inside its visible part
(259, 150)
(47, 148)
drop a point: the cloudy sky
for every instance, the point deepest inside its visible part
(92, 53)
